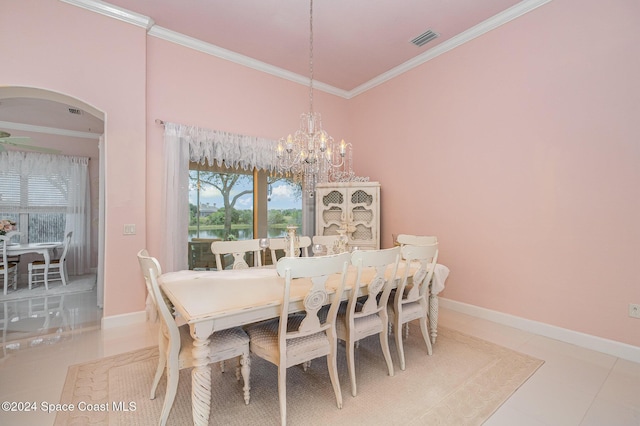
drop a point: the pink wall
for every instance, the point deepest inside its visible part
(520, 151)
(103, 62)
(100, 61)
(189, 87)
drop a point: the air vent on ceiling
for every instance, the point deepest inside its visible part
(75, 111)
(425, 38)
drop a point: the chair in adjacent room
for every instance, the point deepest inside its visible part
(175, 343)
(9, 270)
(13, 258)
(328, 241)
(277, 246)
(365, 313)
(410, 301)
(57, 267)
(297, 339)
(241, 251)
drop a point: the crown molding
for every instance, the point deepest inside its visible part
(156, 31)
(213, 50)
(462, 38)
(48, 130)
(115, 12)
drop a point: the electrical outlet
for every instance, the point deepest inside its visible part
(129, 229)
(634, 310)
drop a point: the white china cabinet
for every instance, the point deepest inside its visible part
(353, 206)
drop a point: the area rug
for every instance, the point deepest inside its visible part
(76, 284)
(462, 383)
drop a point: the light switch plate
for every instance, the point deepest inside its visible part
(129, 229)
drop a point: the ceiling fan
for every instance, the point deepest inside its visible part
(22, 142)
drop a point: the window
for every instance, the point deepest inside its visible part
(48, 196)
(37, 203)
(220, 204)
(230, 204)
(284, 205)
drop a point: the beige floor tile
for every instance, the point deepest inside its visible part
(575, 386)
(623, 385)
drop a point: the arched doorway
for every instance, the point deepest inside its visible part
(59, 123)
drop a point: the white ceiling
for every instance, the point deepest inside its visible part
(357, 43)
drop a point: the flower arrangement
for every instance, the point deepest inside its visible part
(7, 225)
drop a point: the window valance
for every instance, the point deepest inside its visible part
(184, 144)
(35, 163)
(230, 149)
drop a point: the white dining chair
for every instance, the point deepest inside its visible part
(239, 250)
(416, 240)
(411, 298)
(328, 241)
(296, 339)
(57, 267)
(175, 343)
(9, 270)
(277, 246)
(365, 313)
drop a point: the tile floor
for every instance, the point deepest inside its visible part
(575, 386)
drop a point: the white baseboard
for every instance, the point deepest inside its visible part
(611, 347)
(122, 320)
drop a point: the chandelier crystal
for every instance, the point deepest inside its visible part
(310, 156)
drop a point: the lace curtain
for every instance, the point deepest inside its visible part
(70, 178)
(183, 144)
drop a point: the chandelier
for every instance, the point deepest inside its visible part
(310, 156)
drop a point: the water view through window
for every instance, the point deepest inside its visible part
(222, 205)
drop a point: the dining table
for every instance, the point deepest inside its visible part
(210, 301)
(45, 249)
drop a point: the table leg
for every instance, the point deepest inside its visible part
(433, 317)
(200, 377)
(47, 261)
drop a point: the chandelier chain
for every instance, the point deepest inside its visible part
(311, 57)
(310, 156)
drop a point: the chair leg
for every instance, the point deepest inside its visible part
(282, 391)
(397, 331)
(245, 361)
(384, 342)
(173, 373)
(63, 275)
(351, 365)
(162, 364)
(425, 334)
(332, 364)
